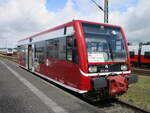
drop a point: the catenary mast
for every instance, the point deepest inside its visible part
(105, 10)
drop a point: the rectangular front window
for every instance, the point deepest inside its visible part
(104, 43)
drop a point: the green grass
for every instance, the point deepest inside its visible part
(139, 93)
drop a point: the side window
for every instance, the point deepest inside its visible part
(71, 49)
(52, 48)
(21, 52)
(49, 48)
(131, 54)
(147, 55)
(39, 51)
(56, 48)
(62, 48)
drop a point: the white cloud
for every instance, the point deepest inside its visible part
(136, 22)
(118, 2)
(22, 18)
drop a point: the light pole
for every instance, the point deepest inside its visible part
(105, 10)
(6, 43)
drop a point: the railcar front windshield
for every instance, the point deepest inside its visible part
(104, 43)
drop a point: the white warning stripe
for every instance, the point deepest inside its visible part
(106, 73)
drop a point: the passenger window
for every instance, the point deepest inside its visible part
(62, 48)
(71, 50)
(132, 54)
(69, 42)
(40, 51)
(147, 55)
(53, 48)
(21, 52)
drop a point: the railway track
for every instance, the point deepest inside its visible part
(12, 58)
(119, 106)
(141, 71)
(134, 107)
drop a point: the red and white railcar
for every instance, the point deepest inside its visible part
(145, 54)
(140, 54)
(7, 51)
(85, 57)
(134, 53)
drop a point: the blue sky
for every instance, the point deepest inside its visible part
(124, 7)
(55, 5)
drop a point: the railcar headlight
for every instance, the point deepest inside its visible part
(124, 67)
(93, 69)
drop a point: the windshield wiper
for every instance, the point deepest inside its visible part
(111, 53)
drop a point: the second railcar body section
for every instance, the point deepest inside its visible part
(140, 54)
(145, 54)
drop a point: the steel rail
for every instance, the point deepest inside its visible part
(134, 107)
